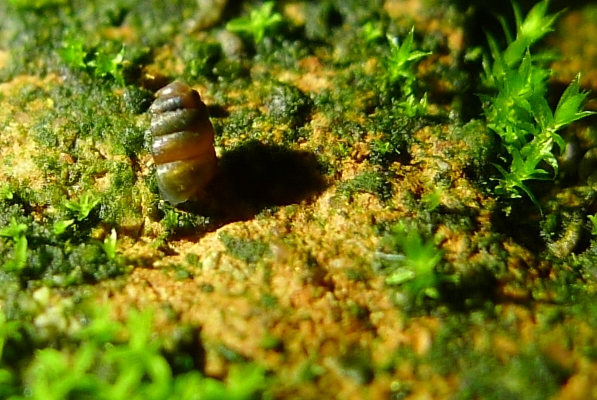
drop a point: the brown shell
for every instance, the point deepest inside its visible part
(183, 142)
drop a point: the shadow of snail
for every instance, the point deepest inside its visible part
(247, 179)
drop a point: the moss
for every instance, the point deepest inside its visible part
(474, 148)
(582, 265)
(368, 182)
(99, 346)
(329, 20)
(176, 221)
(136, 100)
(287, 105)
(97, 122)
(178, 272)
(53, 257)
(86, 262)
(207, 288)
(233, 73)
(238, 124)
(249, 251)
(492, 380)
(393, 133)
(201, 58)
(306, 109)
(193, 260)
(283, 53)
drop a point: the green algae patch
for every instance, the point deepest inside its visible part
(354, 243)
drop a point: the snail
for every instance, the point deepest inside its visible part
(183, 142)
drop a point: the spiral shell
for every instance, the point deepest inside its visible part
(183, 142)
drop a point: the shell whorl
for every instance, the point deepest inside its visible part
(183, 142)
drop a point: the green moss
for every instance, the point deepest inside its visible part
(519, 113)
(136, 100)
(583, 275)
(57, 257)
(177, 221)
(529, 374)
(98, 123)
(178, 272)
(399, 66)
(490, 379)
(394, 133)
(237, 125)
(284, 53)
(249, 251)
(91, 139)
(207, 288)
(111, 359)
(413, 263)
(260, 22)
(368, 182)
(193, 260)
(474, 148)
(287, 105)
(200, 58)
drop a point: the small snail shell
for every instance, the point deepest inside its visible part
(183, 142)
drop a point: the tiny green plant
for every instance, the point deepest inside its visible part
(83, 207)
(534, 118)
(102, 63)
(529, 30)
(56, 377)
(109, 245)
(124, 361)
(433, 199)
(16, 231)
(106, 64)
(6, 192)
(139, 358)
(260, 22)
(401, 62)
(519, 113)
(414, 262)
(371, 32)
(170, 221)
(61, 226)
(413, 106)
(74, 54)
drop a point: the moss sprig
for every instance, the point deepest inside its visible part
(258, 24)
(519, 112)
